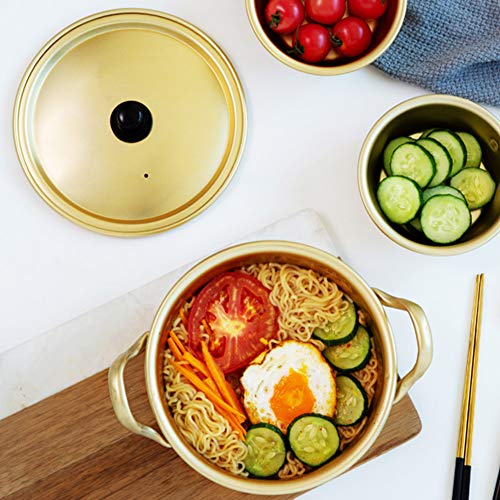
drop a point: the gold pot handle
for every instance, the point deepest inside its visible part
(424, 340)
(118, 394)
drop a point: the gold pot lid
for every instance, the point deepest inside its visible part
(130, 122)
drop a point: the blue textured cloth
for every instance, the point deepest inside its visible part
(450, 47)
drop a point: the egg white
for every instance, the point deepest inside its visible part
(261, 378)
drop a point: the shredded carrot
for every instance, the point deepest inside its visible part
(196, 363)
(175, 350)
(179, 344)
(186, 355)
(209, 393)
(210, 382)
(218, 376)
(232, 419)
(233, 422)
(205, 324)
(184, 320)
(234, 398)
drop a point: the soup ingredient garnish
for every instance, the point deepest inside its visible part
(311, 43)
(445, 218)
(230, 414)
(183, 316)
(425, 133)
(175, 350)
(236, 310)
(352, 401)
(430, 192)
(455, 147)
(399, 198)
(414, 162)
(313, 438)
(476, 185)
(352, 355)
(289, 380)
(266, 450)
(284, 16)
(415, 224)
(181, 354)
(351, 36)
(203, 378)
(367, 9)
(389, 149)
(442, 159)
(223, 386)
(474, 154)
(206, 389)
(325, 11)
(472, 185)
(341, 330)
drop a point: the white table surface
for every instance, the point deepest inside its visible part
(304, 136)
(89, 343)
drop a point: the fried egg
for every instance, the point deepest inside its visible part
(289, 380)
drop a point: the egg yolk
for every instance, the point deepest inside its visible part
(292, 397)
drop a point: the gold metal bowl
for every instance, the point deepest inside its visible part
(387, 28)
(371, 301)
(419, 114)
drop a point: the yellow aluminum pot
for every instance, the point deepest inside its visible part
(371, 301)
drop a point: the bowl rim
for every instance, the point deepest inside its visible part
(370, 203)
(325, 70)
(257, 486)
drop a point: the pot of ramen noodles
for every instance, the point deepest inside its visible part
(271, 367)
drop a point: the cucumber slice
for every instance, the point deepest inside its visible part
(352, 355)
(341, 330)
(399, 198)
(476, 185)
(313, 438)
(473, 148)
(416, 224)
(389, 149)
(414, 162)
(429, 193)
(352, 401)
(441, 157)
(445, 218)
(266, 450)
(425, 133)
(455, 147)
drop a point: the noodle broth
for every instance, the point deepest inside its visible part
(370, 301)
(306, 299)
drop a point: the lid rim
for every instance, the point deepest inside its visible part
(236, 108)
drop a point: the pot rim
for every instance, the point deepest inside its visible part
(364, 188)
(345, 461)
(326, 70)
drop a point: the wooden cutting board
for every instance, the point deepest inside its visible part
(70, 445)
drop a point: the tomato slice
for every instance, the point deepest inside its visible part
(238, 311)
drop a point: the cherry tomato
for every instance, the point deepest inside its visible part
(312, 42)
(351, 36)
(238, 311)
(325, 11)
(367, 9)
(284, 16)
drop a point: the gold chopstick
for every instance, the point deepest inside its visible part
(463, 464)
(475, 360)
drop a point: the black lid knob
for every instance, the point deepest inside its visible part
(131, 121)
